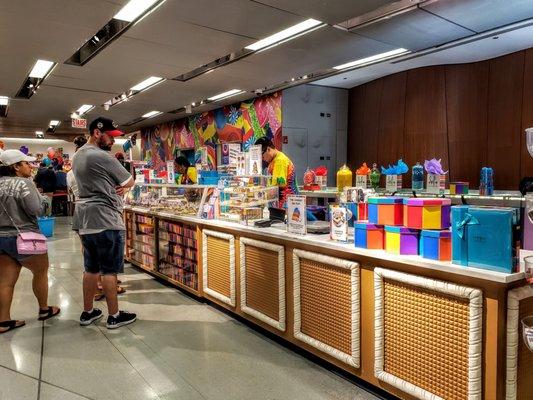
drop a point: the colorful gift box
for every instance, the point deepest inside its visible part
(369, 236)
(436, 245)
(385, 210)
(362, 211)
(482, 237)
(427, 213)
(400, 240)
(352, 213)
(459, 187)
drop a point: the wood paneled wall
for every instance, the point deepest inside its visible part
(469, 115)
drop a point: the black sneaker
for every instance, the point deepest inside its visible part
(124, 318)
(88, 318)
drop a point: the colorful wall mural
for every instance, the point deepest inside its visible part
(244, 123)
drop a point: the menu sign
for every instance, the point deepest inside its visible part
(255, 160)
(296, 215)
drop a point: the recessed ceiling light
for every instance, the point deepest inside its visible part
(374, 58)
(39, 134)
(225, 95)
(41, 69)
(289, 33)
(147, 83)
(54, 122)
(4, 101)
(152, 114)
(134, 9)
(84, 109)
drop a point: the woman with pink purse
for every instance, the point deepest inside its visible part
(21, 243)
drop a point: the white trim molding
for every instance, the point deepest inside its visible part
(280, 250)
(352, 359)
(514, 335)
(231, 239)
(475, 297)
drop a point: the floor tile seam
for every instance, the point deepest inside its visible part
(128, 361)
(167, 365)
(67, 390)
(20, 373)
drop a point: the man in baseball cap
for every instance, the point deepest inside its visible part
(104, 131)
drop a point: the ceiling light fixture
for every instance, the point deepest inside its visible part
(372, 59)
(84, 109)
(39, 134)
(41, 69)
(134, 9)
(147, 83)
(152, 114)
(4, 101)
(225, 95)
(54, 122)
(289, 33)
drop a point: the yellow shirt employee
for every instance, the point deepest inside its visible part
(188, 173)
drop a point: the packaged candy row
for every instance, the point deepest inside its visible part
(143, 219)
(143, 258)
(148, 239)
(179, 262)
(147, 229)
(178, 239)
(178, 229)
(145, 248)
(187, 278)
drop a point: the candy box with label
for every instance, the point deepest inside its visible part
(400, 240)
(436, 245)
(385, 210)
(459, 187)
(369, 236)
(483, 237)
(427, 213)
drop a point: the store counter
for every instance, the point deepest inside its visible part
(414, 327)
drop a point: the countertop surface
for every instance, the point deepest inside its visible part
(324, 241)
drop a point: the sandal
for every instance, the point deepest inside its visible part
(48, 313)
(10, 325)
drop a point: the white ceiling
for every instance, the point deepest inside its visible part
(184, 34)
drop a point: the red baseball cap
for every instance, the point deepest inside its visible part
(105, 125)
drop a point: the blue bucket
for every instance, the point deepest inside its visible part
(46, 225)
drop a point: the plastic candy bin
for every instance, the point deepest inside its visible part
(46, 225)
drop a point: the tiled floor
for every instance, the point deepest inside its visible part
(178, 349)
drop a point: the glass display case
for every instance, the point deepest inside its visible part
(175, 199)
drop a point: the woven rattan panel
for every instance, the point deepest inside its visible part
(325, 304)
(262, 281)
(218, 265)
(426, 339)
(525, 357)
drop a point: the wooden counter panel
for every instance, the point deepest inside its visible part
(426, 339)
(262, 280)
(218, 261)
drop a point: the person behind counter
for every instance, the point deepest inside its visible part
(281, 168)
(187, 172)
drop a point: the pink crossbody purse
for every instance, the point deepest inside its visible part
(29, 243)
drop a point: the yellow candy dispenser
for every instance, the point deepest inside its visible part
(344, 178)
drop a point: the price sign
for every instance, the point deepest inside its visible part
(296, 215)
(361, 181)
(436, 183)
(391, 184)
(79, 123)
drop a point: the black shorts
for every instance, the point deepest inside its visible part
(103, 252)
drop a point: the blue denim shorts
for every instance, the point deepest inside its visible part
(8, 246)
(103, 253)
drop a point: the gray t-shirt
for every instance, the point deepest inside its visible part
(23, 203)
(97, 174)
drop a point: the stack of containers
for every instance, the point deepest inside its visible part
(432, 218)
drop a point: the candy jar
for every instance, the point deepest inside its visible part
(417, 177)
(375, 176)
(344, 178)
(486, 184)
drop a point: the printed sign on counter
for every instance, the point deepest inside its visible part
(296, 215)
(171, 177)
(436, 183)
(393, 183)
(255, 160)
(361, 181)
(339, 224)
